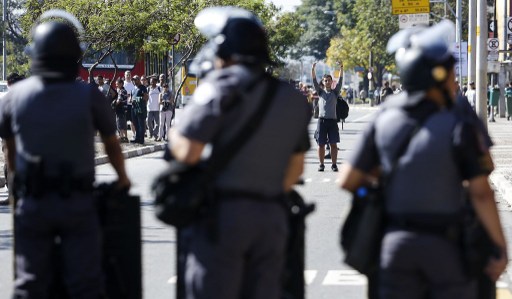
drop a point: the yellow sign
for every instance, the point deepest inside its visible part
(403, 7)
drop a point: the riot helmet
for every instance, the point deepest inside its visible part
(233, 33)
(55, 49)
(424, 55)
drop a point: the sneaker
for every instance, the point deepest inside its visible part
(328, 156)
(334, 167)
(321, 167)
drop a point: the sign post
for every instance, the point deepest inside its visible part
(402, 7)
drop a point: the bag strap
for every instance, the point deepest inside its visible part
(221, 157)
(420, 120)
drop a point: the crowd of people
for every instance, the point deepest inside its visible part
(147, 103)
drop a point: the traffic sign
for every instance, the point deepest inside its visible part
(411, 20)
(493, 44)
(402, 7)
(509, 30)
(462, 61)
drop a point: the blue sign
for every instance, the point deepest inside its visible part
(359, 69)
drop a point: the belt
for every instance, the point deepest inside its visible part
(450, 229)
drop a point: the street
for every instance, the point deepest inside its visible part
(326, 275)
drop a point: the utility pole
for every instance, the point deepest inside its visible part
(458, 37)
(472, 41)
(481, 62)
(4, 42)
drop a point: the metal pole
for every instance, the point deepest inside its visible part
(472, 41)
(481, 62)
(172, 71)
(4, 41)
(458, 38)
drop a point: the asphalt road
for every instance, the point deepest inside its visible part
(326, 275)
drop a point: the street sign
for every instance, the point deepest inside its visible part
(402, 7)
(411, 20)
(493, 67)
(509, 30)
(493, 44)
(492, 56)
(462, 63)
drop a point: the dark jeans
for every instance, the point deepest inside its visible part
(139, 121)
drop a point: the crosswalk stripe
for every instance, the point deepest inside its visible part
(344, 277)
(349, 277)
(309, 276)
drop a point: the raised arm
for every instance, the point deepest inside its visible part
(340, 80)
(313, 76)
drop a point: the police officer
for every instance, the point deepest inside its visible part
(49, 122)
(246, 258)
(424, 189)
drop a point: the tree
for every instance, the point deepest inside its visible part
(17, 61)
(367, 38)
(320, 24)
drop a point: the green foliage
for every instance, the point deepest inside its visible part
(320, 22)
(150, 25)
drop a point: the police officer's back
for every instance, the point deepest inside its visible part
(49, 122)
(426, 147)
(241, 253)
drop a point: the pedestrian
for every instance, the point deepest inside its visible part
(166, 101)
(53, 179)
(362, 95)
(385, 92)
(129, 86)
(327, 126)
(139, 98)
(12, 78)
(241, 254)
(154, 109)
(423, 132)
(508, 98)
(120, 110)
(161, 80)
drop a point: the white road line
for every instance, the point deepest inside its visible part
(309, 276)
(308, 180)
(326, 180)
(173, 280)
(340, 278)
(344, 277)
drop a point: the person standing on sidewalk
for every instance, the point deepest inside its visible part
(53, 180)
(240, 253)
(139, 98)
(154, 108)
(327, 128)
(423, 132)
(166, 101)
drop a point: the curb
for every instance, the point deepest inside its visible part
(132, 153)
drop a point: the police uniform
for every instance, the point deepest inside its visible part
(53, 120)
(423, 188)
(242, 253)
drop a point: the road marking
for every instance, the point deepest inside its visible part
(344, 277)
(353, 278)
(308, 180)
(326, 180)
(503, 294)
(173, 280)
(309, 276)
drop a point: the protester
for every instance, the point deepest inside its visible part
(327, 126)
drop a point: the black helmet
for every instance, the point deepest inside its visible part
(423, 55)
(233, 33)
(55, 50)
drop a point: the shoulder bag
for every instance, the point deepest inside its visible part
(183, 192)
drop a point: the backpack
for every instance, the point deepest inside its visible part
(342, 109)
(508, 92)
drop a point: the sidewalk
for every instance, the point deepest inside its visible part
(501, 134)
